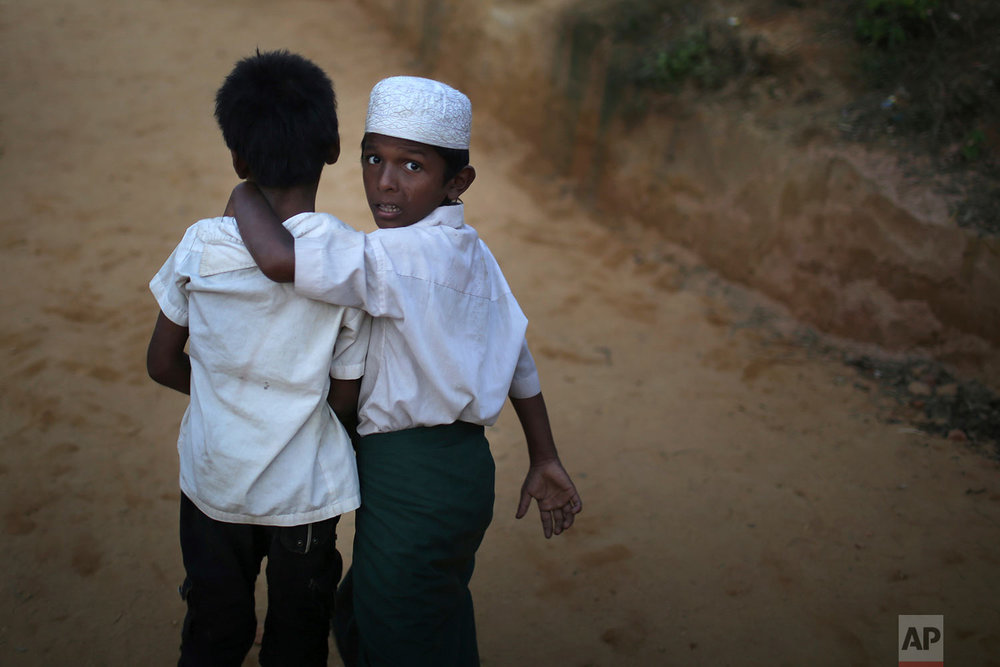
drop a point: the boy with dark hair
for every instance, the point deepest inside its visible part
(266, 468)
(448, 348)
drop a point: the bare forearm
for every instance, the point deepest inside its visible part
(166, 361)
(547, 481)
(534, 420)
(343, 398)
(176, 376)
(270, 244)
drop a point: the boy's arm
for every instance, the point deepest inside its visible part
(343, 398)
(230, 208)
(270, 244)
(547, 481)
(166, 361)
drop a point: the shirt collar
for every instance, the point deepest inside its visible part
(227, 228)
(449, 216)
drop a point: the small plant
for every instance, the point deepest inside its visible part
(670, 65)
(656, 45)
(892, 23)
(944, 56)
(974, 145)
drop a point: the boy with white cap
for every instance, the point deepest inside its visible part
(447, 347)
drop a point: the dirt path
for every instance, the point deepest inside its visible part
(743, 505)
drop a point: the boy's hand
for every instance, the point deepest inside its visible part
(558, 502)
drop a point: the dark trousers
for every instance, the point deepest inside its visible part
(427, 502)
(222, 561)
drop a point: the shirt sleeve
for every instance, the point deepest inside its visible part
(526, 382)
(351, 350)
(169, 285)
(343, 267)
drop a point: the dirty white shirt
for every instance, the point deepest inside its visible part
(447, 341)
(258, 443)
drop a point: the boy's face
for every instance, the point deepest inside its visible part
(404, 180)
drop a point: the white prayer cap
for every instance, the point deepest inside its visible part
(409, 107)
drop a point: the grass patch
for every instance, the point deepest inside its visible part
(655, 47)
(927, 74)
(931, 69)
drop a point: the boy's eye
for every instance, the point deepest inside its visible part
(371, 159)
(413, 166)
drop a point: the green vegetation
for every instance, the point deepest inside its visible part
(647, 51)
(892, 23)
(707, 55)
(935, 67)
(940, 61)
(657, 45)
(927, 73)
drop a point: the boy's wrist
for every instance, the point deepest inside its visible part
(543, 461)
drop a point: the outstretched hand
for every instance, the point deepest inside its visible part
(558, 501)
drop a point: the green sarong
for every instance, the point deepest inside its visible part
(426, 501)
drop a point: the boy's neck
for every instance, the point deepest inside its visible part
(287, 202)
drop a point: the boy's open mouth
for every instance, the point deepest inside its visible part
(387, 208)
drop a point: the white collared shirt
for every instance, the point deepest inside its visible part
(447, 341)
(259, 443)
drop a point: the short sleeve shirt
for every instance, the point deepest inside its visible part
(448, 337)
(259, 443)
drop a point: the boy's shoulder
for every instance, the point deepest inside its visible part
(220, 227)
(223, 230)
(425, 242)
(206, 231)
(315, 223)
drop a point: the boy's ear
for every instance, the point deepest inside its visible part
(334, 152)
(240, 166)
(460, 182)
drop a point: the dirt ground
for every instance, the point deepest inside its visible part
(745, 501)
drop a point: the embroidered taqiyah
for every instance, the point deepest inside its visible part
(418, 109)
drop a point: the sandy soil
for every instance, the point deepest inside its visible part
(743, 502)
